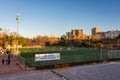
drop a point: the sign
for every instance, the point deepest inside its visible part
(50, 56)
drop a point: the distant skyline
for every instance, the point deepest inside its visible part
(56, 17)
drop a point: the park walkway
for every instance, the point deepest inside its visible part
(104, 71)
(8, 69)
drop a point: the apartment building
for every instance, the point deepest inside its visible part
(95, 30)
(113, 34)
(68, 34)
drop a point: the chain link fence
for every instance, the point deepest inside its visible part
(70, 59)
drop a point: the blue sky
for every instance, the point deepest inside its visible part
(56, 17)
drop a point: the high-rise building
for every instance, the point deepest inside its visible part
(68, 35)
(95, 30)
(77, 34)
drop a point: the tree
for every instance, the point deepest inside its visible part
(0, 29)
(22, 41)
(11, 39)
(63, 40)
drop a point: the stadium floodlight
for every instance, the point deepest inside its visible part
(17, 21)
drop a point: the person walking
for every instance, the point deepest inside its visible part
(9, 61)
(3, 61)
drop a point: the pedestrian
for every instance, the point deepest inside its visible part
(3, 61)
(8, 61)
(8, 56)
(7, 51)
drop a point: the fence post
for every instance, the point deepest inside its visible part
(100, 52)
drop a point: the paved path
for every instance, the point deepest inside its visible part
(108, 71)
(8, 69)
(32, 75)
(14, 72)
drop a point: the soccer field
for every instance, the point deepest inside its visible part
(67, 56)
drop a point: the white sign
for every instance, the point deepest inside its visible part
(43, 57)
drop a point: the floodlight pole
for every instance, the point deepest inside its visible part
(17, 21)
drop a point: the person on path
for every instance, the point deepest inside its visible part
(3, 61)
(8, 61)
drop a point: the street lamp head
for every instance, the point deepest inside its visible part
(17, 18)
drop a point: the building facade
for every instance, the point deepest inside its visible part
(113, 34)
(77, 34)
(68, 34)
(95, 31)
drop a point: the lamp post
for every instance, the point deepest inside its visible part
(17, 21)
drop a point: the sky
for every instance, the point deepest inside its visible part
(56, 17)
